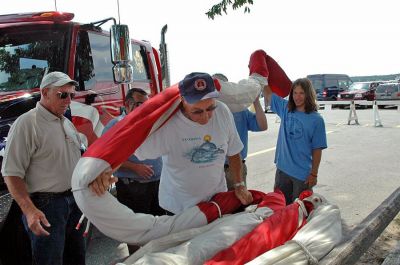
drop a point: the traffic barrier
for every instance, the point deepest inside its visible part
(327, 105)
(352, 114)
(377, 118)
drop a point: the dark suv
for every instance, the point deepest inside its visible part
(328, 86)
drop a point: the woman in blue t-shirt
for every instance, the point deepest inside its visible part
(301, 139)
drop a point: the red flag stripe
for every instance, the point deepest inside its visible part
(126, 136)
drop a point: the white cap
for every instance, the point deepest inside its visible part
(56, 79)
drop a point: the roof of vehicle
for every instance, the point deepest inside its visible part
(37, 16)
(327, 75)
(22, 19)
(389, 84)
(366, 82)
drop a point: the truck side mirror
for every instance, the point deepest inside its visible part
(121, 54)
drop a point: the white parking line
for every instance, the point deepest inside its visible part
(271, 149)
(262, 152)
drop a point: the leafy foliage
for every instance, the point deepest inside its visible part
(222, 6)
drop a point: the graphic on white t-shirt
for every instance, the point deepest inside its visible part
(205, 153)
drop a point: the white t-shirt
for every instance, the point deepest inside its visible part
(193, 157)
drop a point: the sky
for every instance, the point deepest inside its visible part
(305, 37)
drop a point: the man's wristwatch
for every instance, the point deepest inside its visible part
(239, 184)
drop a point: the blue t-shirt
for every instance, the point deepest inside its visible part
(299, 134)
(245, 121)
(124, 173)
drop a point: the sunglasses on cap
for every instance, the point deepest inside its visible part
(64, 95)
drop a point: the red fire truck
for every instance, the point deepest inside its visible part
(33, 44)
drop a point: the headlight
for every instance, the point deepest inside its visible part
(358, 96)
(339, 96)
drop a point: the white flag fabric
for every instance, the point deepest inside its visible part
(316, 239)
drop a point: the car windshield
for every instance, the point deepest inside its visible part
(387, 88)
(357, 86)
(26, 53)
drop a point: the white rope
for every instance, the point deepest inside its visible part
(311, 259)
(302, 206)
(219, 209)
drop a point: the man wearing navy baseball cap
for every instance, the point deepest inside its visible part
(197, 86)
(194, 144)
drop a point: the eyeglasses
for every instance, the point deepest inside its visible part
(64, 95)
(200, 111)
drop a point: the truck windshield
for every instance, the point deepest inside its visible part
(26, 53)
(357, 86)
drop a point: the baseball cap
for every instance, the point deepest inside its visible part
(56, 79)
(197, 86)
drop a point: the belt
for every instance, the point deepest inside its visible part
(127, 181)
(52, 194)
(227, 165)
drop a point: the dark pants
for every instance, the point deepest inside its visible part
(140, 197)
(65, 245)
(291, 187)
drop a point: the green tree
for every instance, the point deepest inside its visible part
(222, 6)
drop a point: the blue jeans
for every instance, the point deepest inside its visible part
(65, 245)
(290, 186)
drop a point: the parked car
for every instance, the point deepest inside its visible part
(359, 91)
(387, 91)
(328, 86)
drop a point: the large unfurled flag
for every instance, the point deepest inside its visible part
(250, 235)
(120, 142)
(115, 147)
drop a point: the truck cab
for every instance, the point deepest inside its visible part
(328, 86)
(36, 43)
(32, 44)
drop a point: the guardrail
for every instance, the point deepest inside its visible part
(361, 238)
(352, 108)
(360, 102)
